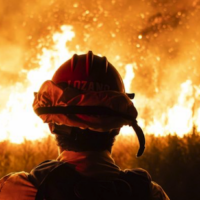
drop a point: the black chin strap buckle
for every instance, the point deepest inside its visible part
(131, 95)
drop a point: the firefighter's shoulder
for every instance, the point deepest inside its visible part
(16, 185)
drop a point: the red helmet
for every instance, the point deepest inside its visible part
(95, 75)
(89, 72)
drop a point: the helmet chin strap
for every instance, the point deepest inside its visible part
(141, 138)
(138, 131)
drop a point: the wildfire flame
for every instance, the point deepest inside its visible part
(18, 120)
(182, 117)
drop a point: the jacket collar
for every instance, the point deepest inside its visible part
(92, 164)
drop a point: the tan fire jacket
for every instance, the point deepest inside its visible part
(15, 186)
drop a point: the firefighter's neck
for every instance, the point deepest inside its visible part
(60, 150)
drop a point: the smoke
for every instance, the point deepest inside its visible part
(160, 36)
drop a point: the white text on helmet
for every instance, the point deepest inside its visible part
(88, 85)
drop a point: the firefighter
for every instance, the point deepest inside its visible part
(85, 105)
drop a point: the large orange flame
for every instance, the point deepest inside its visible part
(182, 117)
(18, 120)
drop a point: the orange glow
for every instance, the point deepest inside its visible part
(18, 120)
(181, 118)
